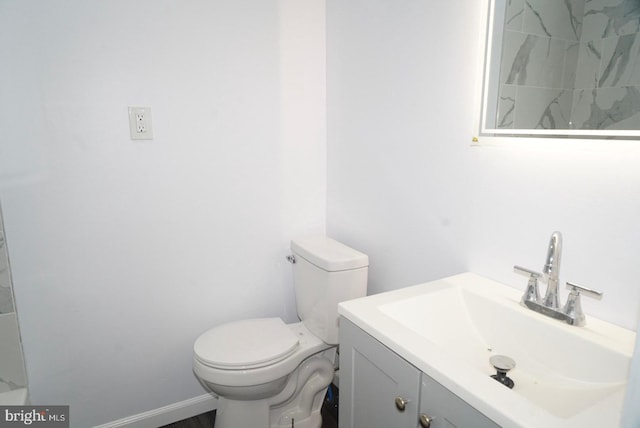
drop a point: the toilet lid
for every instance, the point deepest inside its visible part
(248, 343)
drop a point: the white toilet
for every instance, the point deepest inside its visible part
(268, 374)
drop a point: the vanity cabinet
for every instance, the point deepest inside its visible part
(447, 410)
(379, 389)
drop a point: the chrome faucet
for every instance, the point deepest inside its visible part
(571, 312)
(551, 271)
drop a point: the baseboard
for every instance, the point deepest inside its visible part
(167, 414)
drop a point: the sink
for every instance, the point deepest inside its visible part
(564, 375)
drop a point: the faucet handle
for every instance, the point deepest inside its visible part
(575, 288)
(527, 272)
(531, 294)
(573, 308)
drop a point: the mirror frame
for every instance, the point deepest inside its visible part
(483, 133)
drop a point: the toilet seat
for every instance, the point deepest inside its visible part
(239, 376)
(246, 344)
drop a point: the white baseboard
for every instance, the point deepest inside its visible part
(167, 414)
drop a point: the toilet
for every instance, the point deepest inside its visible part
(268, 374)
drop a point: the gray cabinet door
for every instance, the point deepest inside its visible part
(447, 410)
(372, 377)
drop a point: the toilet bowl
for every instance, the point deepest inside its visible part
(250, 380)
(268, 374)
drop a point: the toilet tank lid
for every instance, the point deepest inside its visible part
(329, 254)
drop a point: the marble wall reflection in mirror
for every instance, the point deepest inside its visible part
(563, 65)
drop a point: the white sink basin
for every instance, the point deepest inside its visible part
(565, 376)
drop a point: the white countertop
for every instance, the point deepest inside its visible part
(506, 407)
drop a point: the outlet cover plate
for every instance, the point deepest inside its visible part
(140, 123)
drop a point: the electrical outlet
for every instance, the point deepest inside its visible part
(140, 123)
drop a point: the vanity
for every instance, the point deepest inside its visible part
(388, 391)
(420, 357)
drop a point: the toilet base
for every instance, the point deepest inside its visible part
(300, 402)
(254, 414)
(313, 421)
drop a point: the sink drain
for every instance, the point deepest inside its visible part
(502, 364)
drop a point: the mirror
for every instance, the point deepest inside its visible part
(566, 68)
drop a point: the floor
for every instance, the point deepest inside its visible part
(207, 420)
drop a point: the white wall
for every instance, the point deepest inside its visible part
(406, 186)
(123, 252)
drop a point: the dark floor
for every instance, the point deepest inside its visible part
(207, 420)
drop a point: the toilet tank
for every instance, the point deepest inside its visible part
(325, 273)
